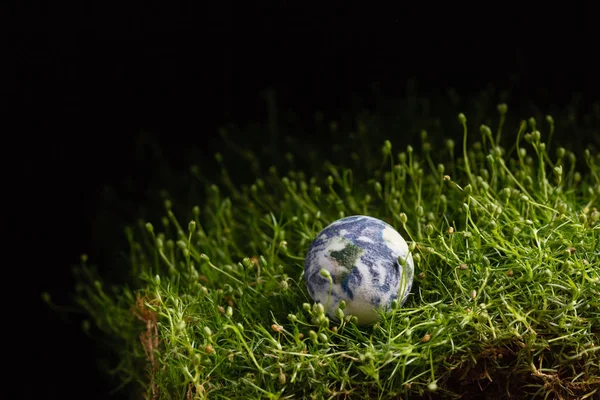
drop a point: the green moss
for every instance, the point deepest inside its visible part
(503, 225)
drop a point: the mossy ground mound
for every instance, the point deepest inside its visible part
(503, 224)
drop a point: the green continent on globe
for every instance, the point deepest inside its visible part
(346, 257)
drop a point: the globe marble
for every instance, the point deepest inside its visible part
(361, 254)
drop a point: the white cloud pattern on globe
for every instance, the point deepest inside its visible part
(361, 254)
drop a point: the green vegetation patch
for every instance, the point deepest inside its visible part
(506, 300)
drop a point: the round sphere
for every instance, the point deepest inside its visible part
(361, 254)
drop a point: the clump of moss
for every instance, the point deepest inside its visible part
(506, 299)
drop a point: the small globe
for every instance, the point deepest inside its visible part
(361, 254)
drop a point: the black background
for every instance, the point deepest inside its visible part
(85, 79)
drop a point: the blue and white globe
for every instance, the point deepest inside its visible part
(361, 254)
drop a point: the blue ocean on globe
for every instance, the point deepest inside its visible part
(361, 254)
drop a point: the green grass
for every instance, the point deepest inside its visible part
(506, 299)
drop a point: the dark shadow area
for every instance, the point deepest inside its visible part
(92, 86)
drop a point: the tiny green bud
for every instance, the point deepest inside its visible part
(378, 187)
(532, 123)
(420, 211)
(403, 218)
(402, 158)
(339, 314)
(468, 189)
(181, 325)
(323, 337)
(323, 321)
(318, 308)
(192, 226)
(313, 336)
(282, 378)
(441, 169)
(204, 257)
(558, 170)
(149, 227)
(342, 304)
(388, 355)
(485, 131)
(561, 208)
(522, 152)
(429, 229)
(197, 360)
(462, 119)
(306, 307)
(502, 108)
(263, 261)
(325, 273)
(229, 311)
(402, 261)
(387, 147)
